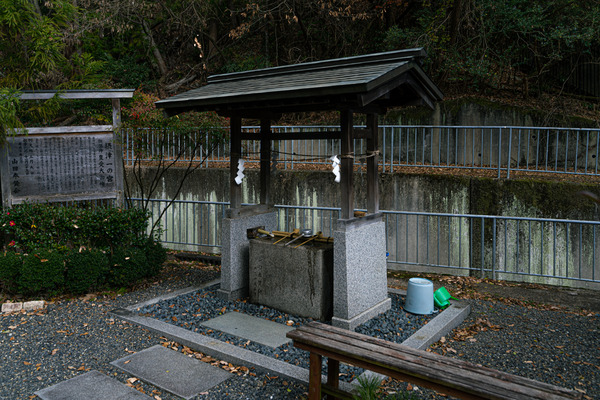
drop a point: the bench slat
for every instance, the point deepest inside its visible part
(424, 366)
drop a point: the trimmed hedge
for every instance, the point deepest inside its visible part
(42, 272)
(52, 250)
(29, 227)
(86, 270)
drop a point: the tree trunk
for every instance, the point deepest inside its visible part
(162, 67)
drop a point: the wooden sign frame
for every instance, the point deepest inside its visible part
(63, 164)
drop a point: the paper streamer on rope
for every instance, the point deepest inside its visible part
(336, 168)
(240, 173)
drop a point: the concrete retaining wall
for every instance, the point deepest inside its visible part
(450, 240)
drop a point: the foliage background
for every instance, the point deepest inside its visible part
(504, 49)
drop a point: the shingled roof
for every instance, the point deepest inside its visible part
(367, 83)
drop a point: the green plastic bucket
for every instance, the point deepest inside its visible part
(441, 297)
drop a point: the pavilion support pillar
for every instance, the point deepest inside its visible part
(234, 238)
(372, 164)
(265, 161)
(359, 246)
(235, 190)
(347, 164)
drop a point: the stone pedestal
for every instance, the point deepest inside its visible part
(295, 280)
(360, 271)
(235, 248)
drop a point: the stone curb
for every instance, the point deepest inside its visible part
(439, 326)
(428, 334)
(26, 306)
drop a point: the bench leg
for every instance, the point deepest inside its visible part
(333, 375)
(314, 377)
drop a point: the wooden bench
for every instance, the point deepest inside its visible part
(447, 375)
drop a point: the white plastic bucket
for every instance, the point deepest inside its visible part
(419, 296)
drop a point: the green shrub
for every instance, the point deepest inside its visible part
(52, 236)
(43, 226)
(156, 255)
(128, 265)
(10, 269)
(85, 270)
(42, 272)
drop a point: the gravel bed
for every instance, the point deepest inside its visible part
(190, 310)
(553, 346)
(72, 336)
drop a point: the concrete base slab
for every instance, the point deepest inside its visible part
(258, 330)
(363, 317)
(172, 371)
(92, 385)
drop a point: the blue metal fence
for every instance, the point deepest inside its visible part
(488, 246)
(505, 150)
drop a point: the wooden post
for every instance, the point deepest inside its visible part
(347, 164)
(265, 161)
(372, 165)
(118, 153)
(333, 375)
(235, 190)
(314, 377)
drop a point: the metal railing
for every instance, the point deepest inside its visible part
(502, 149)
(482, 245)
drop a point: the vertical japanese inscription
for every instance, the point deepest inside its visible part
(61, 165)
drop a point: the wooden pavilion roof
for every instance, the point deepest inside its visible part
(367, 83)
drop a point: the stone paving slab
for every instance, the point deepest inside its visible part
(172, 371)
(258, 330)
(92, 385)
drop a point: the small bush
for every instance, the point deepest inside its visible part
(128, 265)
(42, 272)
(156, 255)
(85, 270)
(10, 269)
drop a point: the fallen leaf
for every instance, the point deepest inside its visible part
(26, 363)
(127, 362)
(132, 380)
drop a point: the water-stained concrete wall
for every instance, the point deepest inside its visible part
(456, 241)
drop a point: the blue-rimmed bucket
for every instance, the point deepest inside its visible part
(419, 296)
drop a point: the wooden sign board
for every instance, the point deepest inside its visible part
(64, 164)
(59, 167)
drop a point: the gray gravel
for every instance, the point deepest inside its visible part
(553, 346)
(43, 348)
(190, 310)
(69, 337)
